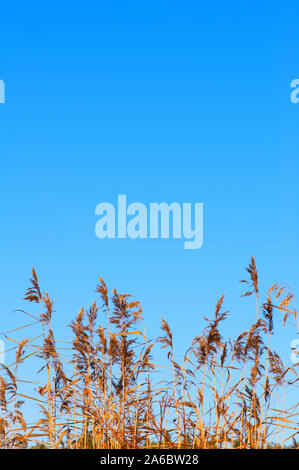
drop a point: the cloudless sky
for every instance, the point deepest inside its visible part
(161, 101)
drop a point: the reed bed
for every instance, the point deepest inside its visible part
(103, 389)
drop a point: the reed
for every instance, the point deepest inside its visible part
(103, 389)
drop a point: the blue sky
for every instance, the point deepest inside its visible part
(161, 101)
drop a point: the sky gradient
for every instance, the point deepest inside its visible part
(161, 101)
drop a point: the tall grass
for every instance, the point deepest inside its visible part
(104, 390)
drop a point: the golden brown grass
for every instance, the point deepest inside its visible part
(103, 390)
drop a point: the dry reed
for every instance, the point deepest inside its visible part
(102, 390)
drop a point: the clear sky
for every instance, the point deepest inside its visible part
(161, 101)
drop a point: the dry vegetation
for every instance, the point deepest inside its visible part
(103, 390)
